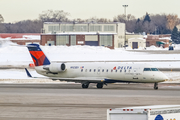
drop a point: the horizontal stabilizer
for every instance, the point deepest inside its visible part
(27, 72)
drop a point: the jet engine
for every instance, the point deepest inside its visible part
(57, 67)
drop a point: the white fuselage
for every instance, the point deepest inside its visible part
(108, 72)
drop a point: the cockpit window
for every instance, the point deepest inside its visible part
(154, 69)
(147, 69)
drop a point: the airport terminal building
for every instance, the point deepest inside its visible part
(111, 35)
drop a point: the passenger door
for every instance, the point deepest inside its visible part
(135, 73)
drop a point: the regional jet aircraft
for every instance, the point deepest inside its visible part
(101, 73)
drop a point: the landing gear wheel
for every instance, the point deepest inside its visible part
(155, 86)
(85, 85)
(99, 85)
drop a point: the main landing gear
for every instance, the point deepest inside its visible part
(85, 85)
(99, 85)
(155, 86)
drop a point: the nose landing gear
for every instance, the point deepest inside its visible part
(155, 86)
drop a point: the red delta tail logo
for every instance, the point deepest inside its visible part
(114, 68)
(37, 55)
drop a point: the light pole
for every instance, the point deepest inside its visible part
(125, 6)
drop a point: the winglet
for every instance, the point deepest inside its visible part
(27, 72)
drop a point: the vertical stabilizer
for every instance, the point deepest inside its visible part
(37, 55)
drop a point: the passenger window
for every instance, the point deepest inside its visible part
(124, 70)
(98, 70)
(120, 70)
(89, 70)
(154, 69)
(81, 70)
(107, 70)
(111, 70)
(102, 70)
(147, 69)
(116, 70)
(94, 70)
(129, 71)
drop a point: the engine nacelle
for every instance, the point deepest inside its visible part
(57, 67)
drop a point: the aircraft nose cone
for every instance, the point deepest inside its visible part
(162, 77)
(165, 78)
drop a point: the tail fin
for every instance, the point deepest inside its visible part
(37, 55)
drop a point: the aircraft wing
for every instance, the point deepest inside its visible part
(81, 79)
(77, 79)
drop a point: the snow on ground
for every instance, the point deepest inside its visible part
(20, 76)
(15, 55)
(24, 37)
(173, 76)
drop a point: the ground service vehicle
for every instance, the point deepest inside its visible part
(157, 112)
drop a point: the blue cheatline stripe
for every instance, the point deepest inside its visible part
(114, 81)
(35, 60)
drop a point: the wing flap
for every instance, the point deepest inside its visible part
(82, 79)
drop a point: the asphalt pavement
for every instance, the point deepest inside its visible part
(71, 102)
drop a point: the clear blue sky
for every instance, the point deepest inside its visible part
(16, 10)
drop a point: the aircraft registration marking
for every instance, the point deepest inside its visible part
(74, 67)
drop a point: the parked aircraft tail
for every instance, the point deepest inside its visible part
(37, 55)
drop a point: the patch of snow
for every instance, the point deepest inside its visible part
(25, 37)
(4, 43)
(176, 46)
(129, 33)
(83, 33)
(32, 37)
(19, 55)
(156, 48)
(138, 38)
(165, 38)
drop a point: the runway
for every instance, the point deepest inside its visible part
(71, 102)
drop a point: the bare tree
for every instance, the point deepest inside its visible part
(2, 28)
(98, 20)
(25, 26)
(148, 27)
(104, 20)
(130, 17)
(54, 16)
(129, 20)
(120, 18)
(138, 26)
(172, 20)
(130, 25)
(1, 18)
(160, 23)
